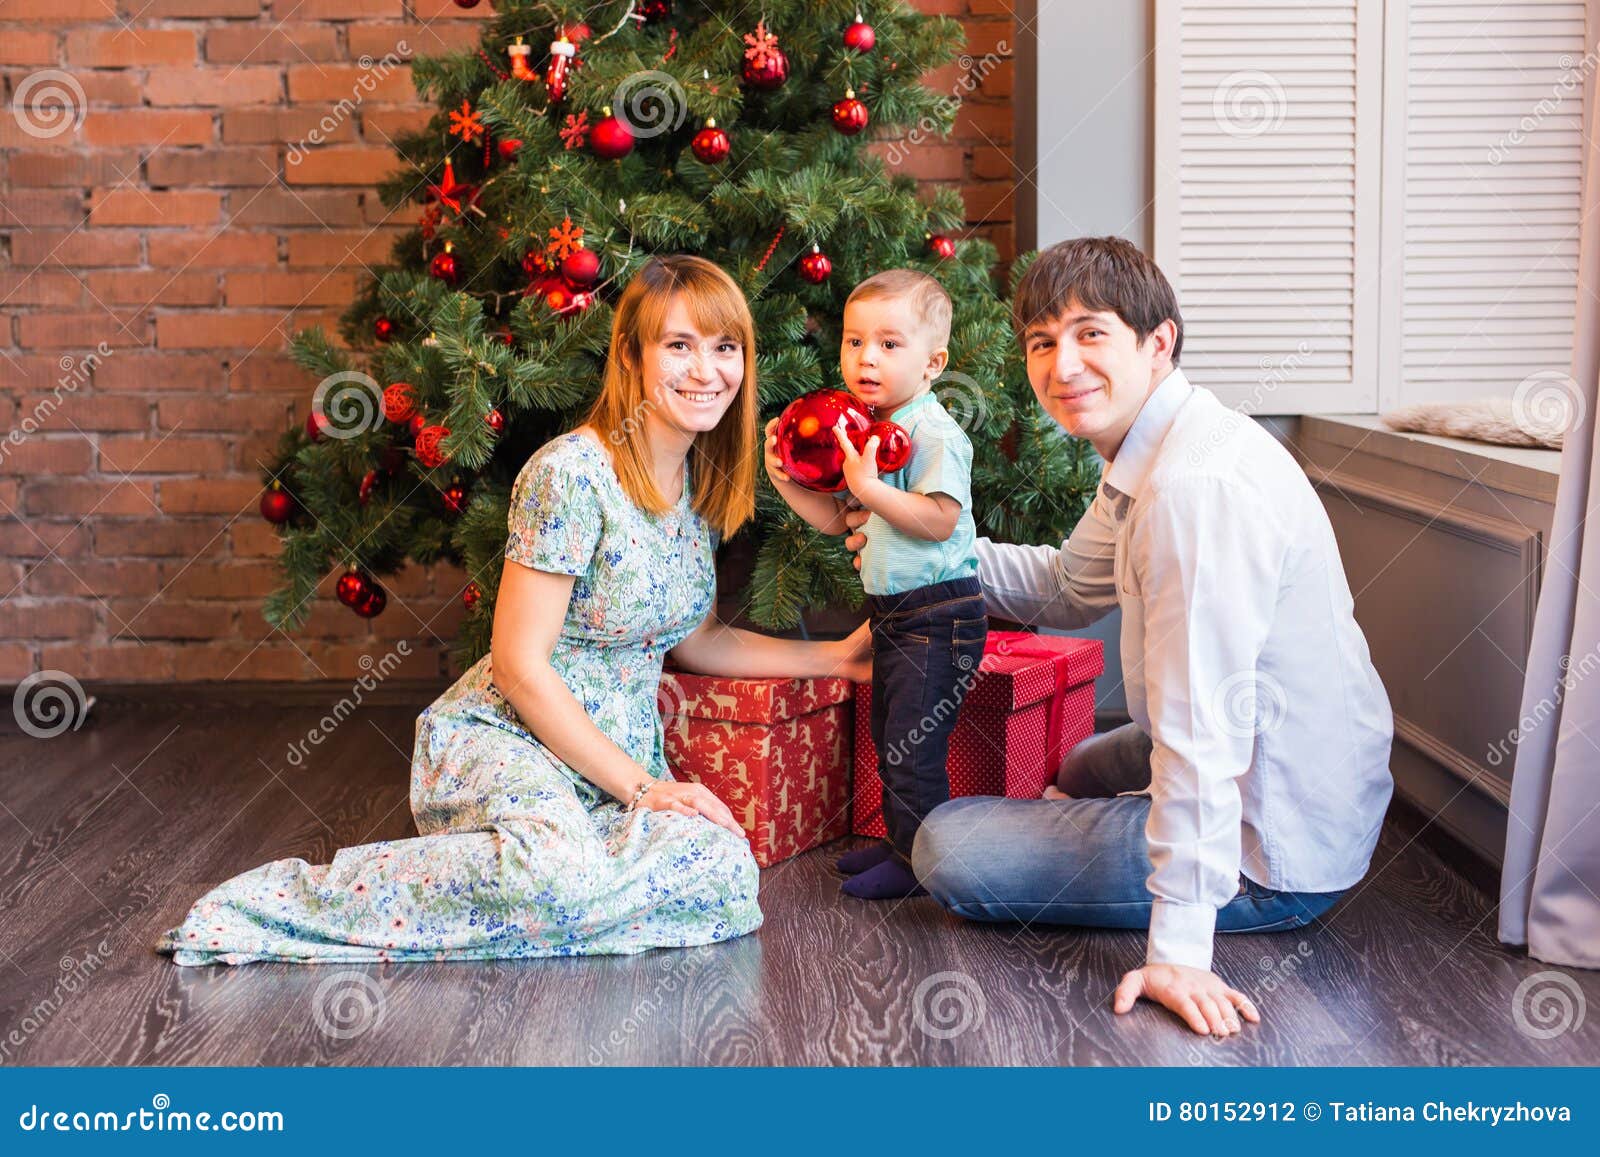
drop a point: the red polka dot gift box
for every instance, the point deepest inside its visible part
(1033, 701)
(776, 751)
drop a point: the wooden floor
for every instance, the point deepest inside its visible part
(108, 834)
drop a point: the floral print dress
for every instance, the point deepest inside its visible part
(519, 855)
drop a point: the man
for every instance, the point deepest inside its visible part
(1248, 791)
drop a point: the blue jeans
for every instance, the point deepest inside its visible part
(926, 647)
(1081, 861)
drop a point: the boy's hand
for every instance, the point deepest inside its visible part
(773, 462)
(860, 469)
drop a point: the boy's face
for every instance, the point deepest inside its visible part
(1091, 373)
(886, 357)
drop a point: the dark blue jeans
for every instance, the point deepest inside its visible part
(1079, 861)
(926, 647)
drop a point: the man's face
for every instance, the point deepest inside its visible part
(1092, 374)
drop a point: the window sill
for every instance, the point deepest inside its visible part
(1531, 473)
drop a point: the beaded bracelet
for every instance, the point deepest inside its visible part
(642, 790)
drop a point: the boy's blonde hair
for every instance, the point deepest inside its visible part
(929, 303)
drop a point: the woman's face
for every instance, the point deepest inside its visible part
(691, 378)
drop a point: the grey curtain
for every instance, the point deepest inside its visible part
(1550, 890)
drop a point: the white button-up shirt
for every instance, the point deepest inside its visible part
(1241, 658)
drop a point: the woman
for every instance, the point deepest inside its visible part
(550, 823)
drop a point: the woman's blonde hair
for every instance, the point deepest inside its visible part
(722, 460)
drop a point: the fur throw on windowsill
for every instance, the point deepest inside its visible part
(1501, 421)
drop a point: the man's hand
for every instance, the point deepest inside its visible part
(1200, 998)
(855, 540)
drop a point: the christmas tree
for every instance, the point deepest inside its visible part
(575, 142)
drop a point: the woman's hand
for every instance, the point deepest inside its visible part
(690, 799)
(774, 464)
(854, 655)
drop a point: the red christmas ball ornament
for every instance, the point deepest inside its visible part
(470, 596)
(427, 446)
(276, 505)
(371, 604)
(466, 3)
(508, 149)
(352, 587)
(610, 139)
(894, 446)
(496, 421)
(809, 449)
(566, 302)
(454, 498)
(768, 72)
(316, 423)
(444, 266)
(577, 33)
(850, 115)
(415, 423)
(654, 11)
(369, 482)
(815, 266)
(580, 268)
(711, 144)
(860, 35)
(941, 246)
(383, 329)
(399, 402)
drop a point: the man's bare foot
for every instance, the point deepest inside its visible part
(1054, 792)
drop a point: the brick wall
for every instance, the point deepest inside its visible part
(154, 261)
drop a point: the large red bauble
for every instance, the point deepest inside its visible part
(444, 268)
(815, 267)
(352, 587)
(850, 115)
(809, 450)
(711, 145)
(580, 268)
(768, 73)
(860, 36)
(427, 446)
(610, 139)
(399, 402)
(277, 506)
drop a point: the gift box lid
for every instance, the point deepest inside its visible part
(747, 700)
(1020, 668)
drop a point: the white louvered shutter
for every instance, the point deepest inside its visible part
(1483, 158)
(1268, 137)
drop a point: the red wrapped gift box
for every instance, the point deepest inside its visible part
(1032, 703)
(776, 751)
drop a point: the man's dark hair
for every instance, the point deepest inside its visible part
(1103, 275)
